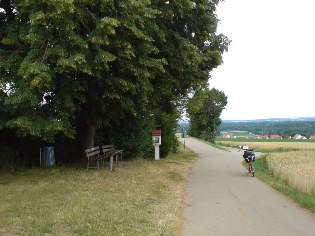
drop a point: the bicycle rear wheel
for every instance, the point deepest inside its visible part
(251, 170)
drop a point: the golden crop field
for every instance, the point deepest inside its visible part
(292, 162)
(296, 168)
(281, 146)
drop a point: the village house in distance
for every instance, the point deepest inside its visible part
(245, 134)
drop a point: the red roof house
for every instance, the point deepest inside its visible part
(228, 135)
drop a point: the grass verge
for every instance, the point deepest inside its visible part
(141, 197)
(215, 145)
(306, 200)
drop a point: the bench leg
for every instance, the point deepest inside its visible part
(111, 160)
(88, 166)
(118, 155)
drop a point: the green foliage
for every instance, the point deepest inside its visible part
(189, 45)
(132, 135)
(78, 53)
(70, 68)
(204, 109)
(167, 123)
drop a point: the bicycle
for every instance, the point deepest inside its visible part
(249, 157)
(251, 169)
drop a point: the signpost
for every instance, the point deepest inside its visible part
(184, 136)
(156, 137)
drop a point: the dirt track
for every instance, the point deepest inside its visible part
(221, 200)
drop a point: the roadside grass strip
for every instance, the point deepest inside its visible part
(141, 197)
(304, 199)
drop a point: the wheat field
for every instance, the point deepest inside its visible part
(296, 168)
(272, 146)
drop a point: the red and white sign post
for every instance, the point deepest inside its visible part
(156, 137)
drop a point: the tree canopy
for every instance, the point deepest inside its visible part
(204, 110)
(73, 68)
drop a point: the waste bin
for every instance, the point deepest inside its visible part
(47, 156)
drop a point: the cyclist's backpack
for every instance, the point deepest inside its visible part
(249, 154)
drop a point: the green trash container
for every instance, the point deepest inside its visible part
(47, 157)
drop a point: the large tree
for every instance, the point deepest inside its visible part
(91, 61)
(72, 67)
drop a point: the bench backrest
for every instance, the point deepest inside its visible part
(92, 151)
(108, 149)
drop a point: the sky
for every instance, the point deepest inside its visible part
(269, 69)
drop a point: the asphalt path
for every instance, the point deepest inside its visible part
(221, 200)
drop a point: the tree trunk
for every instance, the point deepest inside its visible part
(88, 140)
(86, 133)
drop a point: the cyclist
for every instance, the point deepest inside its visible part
(249, 157)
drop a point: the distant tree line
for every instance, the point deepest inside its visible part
(282, 128)
(75, 74)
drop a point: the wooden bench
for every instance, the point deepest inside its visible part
(100, 154)
(110, 150)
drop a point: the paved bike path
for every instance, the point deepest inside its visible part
(221, 200)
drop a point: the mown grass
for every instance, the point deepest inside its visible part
(141, 197)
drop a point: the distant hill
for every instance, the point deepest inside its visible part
(275, 119)
(273, 126)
